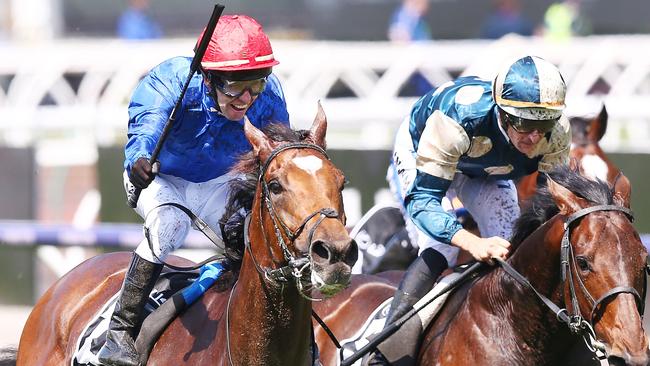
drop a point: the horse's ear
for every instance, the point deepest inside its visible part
(566, 201)
(259, 141)
(622, 191)
(598, 125)
(319, 128)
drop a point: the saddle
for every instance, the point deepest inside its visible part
(377, 319)
(174, 292)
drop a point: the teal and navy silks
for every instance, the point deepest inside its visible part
(209, 274)
(521, 73)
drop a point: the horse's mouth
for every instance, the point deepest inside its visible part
(329, 282)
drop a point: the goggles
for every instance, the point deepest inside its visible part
(523, 125)
(236, 88)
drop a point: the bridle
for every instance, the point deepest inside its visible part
(575, 321)
(297, 266)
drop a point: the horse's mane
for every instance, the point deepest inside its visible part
(541, 206)
(242, 191)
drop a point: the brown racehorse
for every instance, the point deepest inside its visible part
(496, 321)
(297, 225)
(585, 154)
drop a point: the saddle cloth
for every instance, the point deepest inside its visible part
(185, 287)
(377, 320)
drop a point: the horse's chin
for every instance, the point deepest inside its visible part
(330, 282)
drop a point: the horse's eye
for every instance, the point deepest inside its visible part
(583, 264)
(275, 187)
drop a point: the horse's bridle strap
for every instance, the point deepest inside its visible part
(575, 321)
(615, 291)
(295, 267)
(559, 313)
(585, 211)
(295, 145)
(567, 258)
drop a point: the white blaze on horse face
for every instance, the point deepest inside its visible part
(310, 164)
(594, 167)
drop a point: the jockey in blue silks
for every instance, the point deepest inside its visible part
(471, 138)
(235, 83)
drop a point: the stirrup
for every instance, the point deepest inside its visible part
(119, 350)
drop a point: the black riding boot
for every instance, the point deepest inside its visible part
(417, 282)
(119, 349)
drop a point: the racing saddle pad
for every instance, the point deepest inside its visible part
(182, 288)
(377, 320)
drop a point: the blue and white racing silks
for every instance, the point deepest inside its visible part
(203, 144)
(455, 129)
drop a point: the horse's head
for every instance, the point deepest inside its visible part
(605, 265)
(586, 154)
(301, 208)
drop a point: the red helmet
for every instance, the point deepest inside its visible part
(238, 43)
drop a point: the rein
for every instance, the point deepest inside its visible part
(296, 267)
(470, 271)
(202, 226)
(574, 320)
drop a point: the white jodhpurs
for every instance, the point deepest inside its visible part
(168, 226)
(492, 203)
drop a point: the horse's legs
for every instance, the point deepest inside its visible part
(417, 282)
(127, 316)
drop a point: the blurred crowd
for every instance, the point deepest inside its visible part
(411, 20)
(561, 20)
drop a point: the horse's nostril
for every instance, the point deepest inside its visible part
(319, 249)
(353, 254)
(322, 252)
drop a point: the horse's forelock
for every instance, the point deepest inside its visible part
(249, 163)
(542, 207)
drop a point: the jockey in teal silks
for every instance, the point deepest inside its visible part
(471, 138)
(235, 83)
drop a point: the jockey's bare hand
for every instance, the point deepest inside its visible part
(482, 249)
(142, 173)
(486, 249)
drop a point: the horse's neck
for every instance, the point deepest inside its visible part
(538, 257)
(277, 329)
(499, 314)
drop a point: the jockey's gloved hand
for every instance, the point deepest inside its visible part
(142, 173)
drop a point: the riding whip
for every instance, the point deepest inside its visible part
(132, 196)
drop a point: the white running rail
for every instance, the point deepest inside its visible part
(78, 90)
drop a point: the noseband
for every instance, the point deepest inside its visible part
(296, 267)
